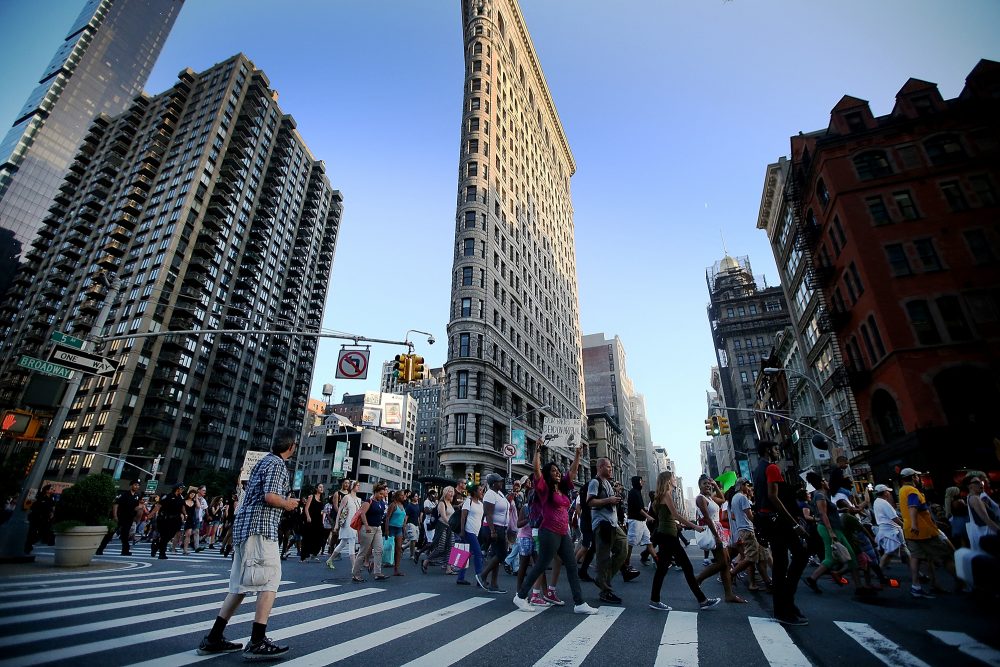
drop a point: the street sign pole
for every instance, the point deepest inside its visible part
(14, 532)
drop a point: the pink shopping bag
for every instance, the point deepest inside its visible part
(459, 556)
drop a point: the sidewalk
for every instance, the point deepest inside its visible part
(45, 566)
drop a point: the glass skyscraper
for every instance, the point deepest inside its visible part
(100, 67)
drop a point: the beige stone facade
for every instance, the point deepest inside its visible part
(513, 334)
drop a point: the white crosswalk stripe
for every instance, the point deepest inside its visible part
(169, 584)
(777, 645)
(579, 642)
(32, 583)
(679, 642)
(879, 645)
(969, 646)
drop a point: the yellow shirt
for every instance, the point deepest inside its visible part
(926, 528)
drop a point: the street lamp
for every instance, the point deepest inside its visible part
(837, 433)
(510, 429)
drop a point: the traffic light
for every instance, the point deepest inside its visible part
(723, 425)
(710, 426)
(19, 424)
(715, 427)
(477, 479)
(401, 369)
(416, 368)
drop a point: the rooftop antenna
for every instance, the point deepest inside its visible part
(725, 251)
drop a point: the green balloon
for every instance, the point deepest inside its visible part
(726, 480)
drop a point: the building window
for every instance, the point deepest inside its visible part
(749, 343)
(878, 211)
(472, 169)
(479, 386)
(753, 309)
(979, 246)
(876, 336)
(466, 276)
(740, 361)
(760, 341)
(466, 307)
(855, 121)
(953, 318)
(822, 193)
(983, 188)
(923, 322)
(463, 384)
(469, 247)
(927, 254)
(872, 164)
(837, 235)
(463, 345)
(773, 306)
(741, 311)
(898, 262)
(907, 208)
(461, 421)
(470, 194)
(470, 219)
(730, 312)
(944, 149)
(744, 377)
(737, 344)
(952, 191)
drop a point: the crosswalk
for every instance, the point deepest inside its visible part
(146, 617)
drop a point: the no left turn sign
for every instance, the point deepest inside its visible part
(352, 365)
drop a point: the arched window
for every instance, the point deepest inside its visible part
(944, 149)
(886, 416)
(822, 193)
(872, 164)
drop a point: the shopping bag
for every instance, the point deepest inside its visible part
(356, 521)
(389, 551)
(705, 540)
(459, 556)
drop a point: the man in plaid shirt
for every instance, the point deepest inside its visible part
(256, 558)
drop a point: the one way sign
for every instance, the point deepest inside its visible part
(83, 361)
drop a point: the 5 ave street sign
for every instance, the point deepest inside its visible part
(43, 366)
(85, 362)
(66, 339)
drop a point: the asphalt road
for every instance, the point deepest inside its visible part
(155, 612)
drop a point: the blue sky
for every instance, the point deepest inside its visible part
(672, 109)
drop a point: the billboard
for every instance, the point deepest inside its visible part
(371, 416)
(392, 411)
(518, 438)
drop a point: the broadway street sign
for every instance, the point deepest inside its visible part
(43, 366)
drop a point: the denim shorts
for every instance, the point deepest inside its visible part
(526, 546)
(395, 531)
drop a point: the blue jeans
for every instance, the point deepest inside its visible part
(513, 558)
(477, 554)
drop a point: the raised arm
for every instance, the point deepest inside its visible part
(538, 458)
(575, 466)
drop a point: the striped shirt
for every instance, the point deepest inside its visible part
(254, 516)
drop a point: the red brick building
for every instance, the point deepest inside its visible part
(899, 215)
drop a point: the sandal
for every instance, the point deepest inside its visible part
(398, 574)
(423, 566)
(380, 577)
(357, 580)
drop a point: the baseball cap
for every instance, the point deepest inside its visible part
(493, 478)
(909, 472)
(881, 488)
(741, 481)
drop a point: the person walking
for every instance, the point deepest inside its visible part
(440, 548)
(611, 542)
(169, 519)
(888, 527)
(200, 515)
(347, 536)
(373, 512)
(256, 560)
(414, 517)
(741, 525)
(125, 510)
(670, 549)
(708, 506)
(984, 513)
(552, 490)
(472, 522)
(312, 527)
(636, 518)
(496, 510)
(183, 539)
(40, 519)
(922, 534)
(395, 526)
(775, 512)
(831, 531)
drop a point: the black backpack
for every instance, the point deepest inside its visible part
(455, 522)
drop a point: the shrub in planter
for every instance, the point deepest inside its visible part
(88, 503)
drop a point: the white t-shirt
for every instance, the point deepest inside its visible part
(885, 513)
(500, 507)
(474, 520)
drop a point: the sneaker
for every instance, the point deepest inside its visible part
(537, 600)
(811, 583)
(508, 569)
(496, 590)
(919, 592)
(709, 603)
(791, 620)
(330, 565)
(481, 583)
(629, 575)
(706, 562)
(551, 597)
(659, 606)
(522, 604)
(609, 597)
(584, 576)
(463, 582)
(265, 649)
(584, 608)
(211, 647)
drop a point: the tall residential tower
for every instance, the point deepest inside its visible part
(101, 65)
(514, 331)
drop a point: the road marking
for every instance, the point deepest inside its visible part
(969, 646)
(93, 577)
(679, 643)
(462, 647)
(190, 657)
(352, 647)
(777, 646)
(132, 621)
(577, 644)
(42, 593)
(879, 645)
(138, 639)
(41, 601)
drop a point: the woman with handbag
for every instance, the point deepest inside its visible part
(670, 549)
(440, 548)
(395, 522)
(830, 527)
(708, 505)
(347, 535)
(369, 520)
(472, 523)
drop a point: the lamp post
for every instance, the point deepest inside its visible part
(510, 433)
(834, 420)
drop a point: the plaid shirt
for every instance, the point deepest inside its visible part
(254, 516)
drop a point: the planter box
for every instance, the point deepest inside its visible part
(77, 546)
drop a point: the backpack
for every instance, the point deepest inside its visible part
(455, 522)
